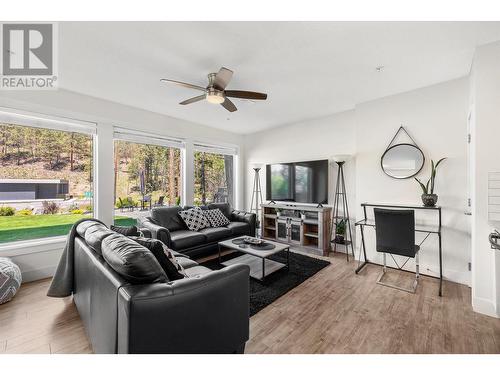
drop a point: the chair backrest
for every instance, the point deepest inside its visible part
(160, 200)
(395, 231)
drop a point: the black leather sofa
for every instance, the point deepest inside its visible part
(166, 225)
(208, 312)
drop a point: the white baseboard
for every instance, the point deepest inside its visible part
(484, 306)
(38, 274)
(37, 259)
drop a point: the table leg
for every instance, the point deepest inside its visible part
(263, 268)
(440, 267)
(364, 250)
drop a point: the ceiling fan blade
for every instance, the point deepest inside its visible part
(222, 78)
(229, 105)
(184, 84)
(246, 94)
(193, 100)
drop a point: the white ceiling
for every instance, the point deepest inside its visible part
(308, 69)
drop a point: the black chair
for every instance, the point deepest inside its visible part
(160, 201)
(395, 232)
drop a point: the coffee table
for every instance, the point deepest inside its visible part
(256, 259)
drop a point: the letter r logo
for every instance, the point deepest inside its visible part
(27, 49)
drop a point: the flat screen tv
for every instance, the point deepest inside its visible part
(301, 182)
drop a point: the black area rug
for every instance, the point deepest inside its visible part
(275, 285)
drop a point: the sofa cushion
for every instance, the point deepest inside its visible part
(132, 261)
(84, 225)
(194, 219)
(216, 218)
(224, 207)
(95, 234)
(239, 228)
(168, 265)
(168, 217)
(216, 234)
(182, 239)
(197, 271)
(126, 231)
(186, 262)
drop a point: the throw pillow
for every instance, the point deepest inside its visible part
(169, 265)
(132, 261)
(126, 231)
(194, 219)
(171, 257)
(216, 218)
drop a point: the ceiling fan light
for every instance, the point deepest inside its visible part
(215, 97)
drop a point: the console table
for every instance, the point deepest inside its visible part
(305, 226)
(428, 229)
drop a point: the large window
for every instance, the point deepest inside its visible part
(46, 177)
(213, 177)
(146, 176)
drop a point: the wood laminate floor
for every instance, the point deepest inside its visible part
(335, 311)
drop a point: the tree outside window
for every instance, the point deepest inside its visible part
(213, 178)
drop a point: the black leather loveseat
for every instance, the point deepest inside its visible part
(207, 312)
(166, 225)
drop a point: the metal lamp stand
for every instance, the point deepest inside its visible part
(256, 195)
(340, 200)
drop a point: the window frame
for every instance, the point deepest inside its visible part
(66, 124)
(221, 149)
(154, 139)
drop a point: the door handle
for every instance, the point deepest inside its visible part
(493, 238)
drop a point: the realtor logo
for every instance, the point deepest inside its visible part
(28, 56)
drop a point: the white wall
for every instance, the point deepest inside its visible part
(435, 116)
(309, 140)
(37, 261)
(485, 103)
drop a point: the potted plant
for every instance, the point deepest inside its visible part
(278, 212)
(340, 231)
(429, 199)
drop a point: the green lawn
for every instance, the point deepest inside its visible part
(18, 228)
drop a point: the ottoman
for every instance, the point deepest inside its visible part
(10, 279)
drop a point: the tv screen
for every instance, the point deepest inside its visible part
(302, 182)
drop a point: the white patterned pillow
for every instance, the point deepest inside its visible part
(216, 218)
(171, 257)
(194, 219)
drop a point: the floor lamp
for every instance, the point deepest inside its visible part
(340, 214)
(256, 195)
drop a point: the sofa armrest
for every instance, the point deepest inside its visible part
(157, 231)
(146, 233)
(204, 314)
(246, 217)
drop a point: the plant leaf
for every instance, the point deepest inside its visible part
(439, 161)
(424, 188)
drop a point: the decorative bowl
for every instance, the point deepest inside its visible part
(253, 241)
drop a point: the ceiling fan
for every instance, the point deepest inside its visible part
(216, 92)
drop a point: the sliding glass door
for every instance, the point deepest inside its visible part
(147, 175)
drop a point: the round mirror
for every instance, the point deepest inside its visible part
(403, 160)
